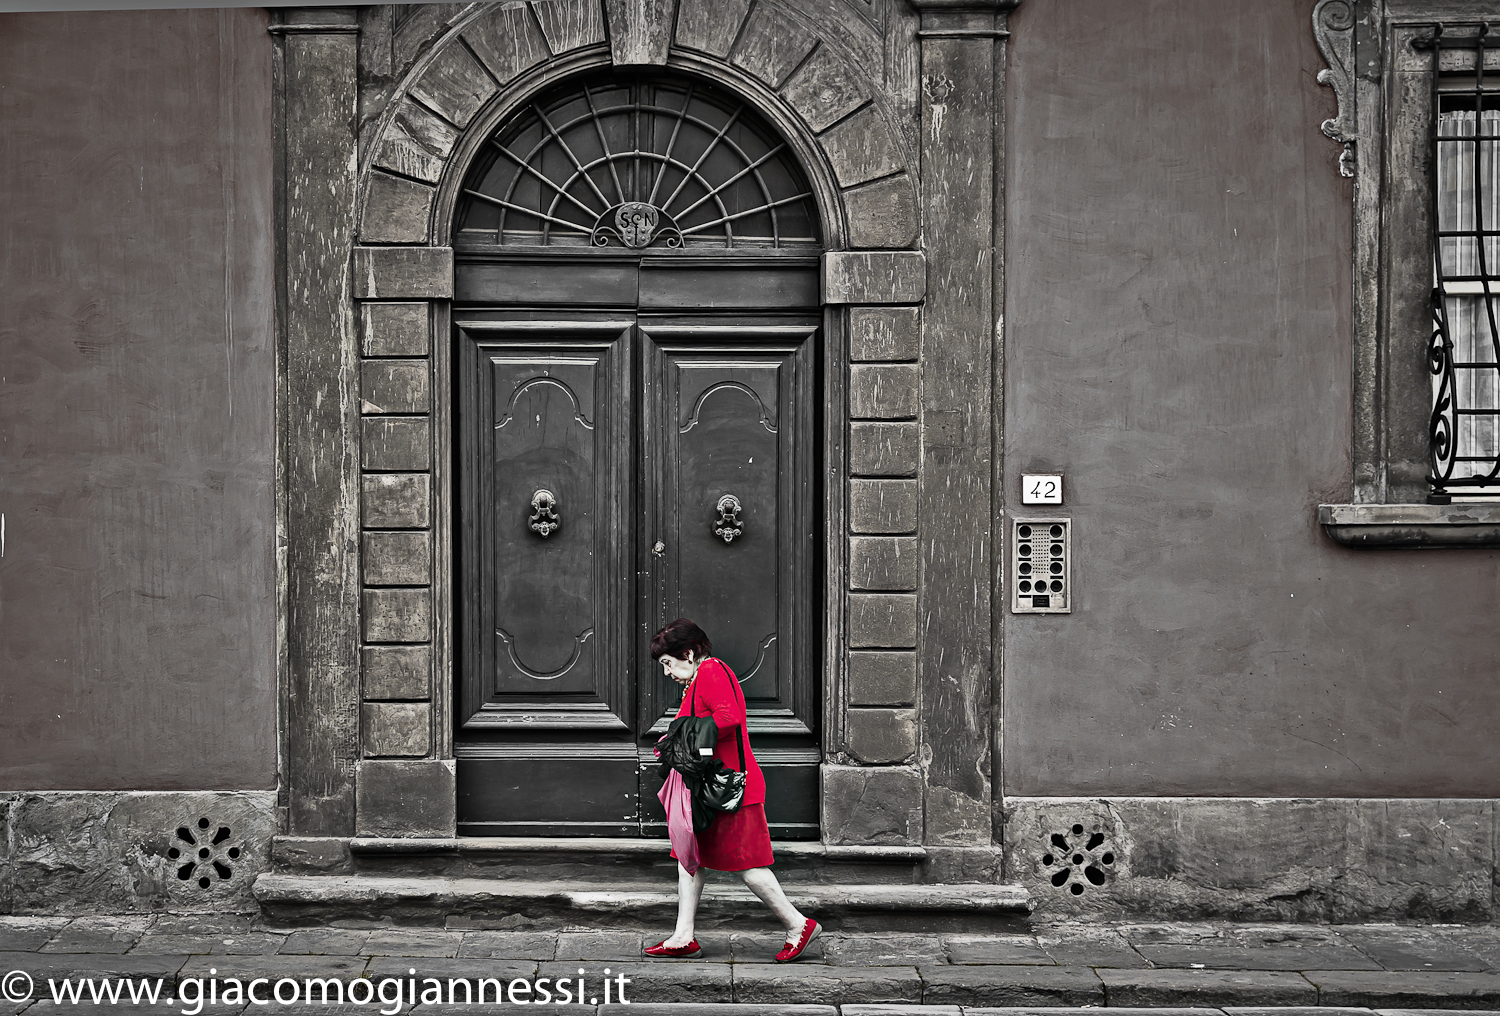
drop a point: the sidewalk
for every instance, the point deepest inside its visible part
(1208, 965)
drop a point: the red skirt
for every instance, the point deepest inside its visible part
(737, 841)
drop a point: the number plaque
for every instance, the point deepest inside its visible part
(1041, 490)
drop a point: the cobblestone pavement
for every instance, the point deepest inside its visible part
(1208, 966)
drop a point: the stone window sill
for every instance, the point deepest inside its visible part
(1412, 526)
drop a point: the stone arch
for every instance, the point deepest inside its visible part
(817, 90)
(807, 84)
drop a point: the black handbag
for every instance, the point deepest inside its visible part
(688, 747)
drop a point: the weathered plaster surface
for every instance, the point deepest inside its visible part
(1179, 342)
(137, 576)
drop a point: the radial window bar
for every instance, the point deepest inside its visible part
(1464, 349)
(637, 163)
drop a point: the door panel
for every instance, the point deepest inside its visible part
(728, 411)
(546, 479)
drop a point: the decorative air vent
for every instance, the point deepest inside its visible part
(203, 853)
(1078, 859)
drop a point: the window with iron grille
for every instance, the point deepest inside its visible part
(1418, 89)
(643, 161)
(1464, 433)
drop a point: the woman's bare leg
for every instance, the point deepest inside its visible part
(762, 882)
(689, 891)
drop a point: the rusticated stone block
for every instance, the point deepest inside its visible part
(507, 40)
(1011, 986)
(655, 985)
(397, 558)
(571, 24)
(884, 333)
(328, 855)
(825, 89)
(1266, 859)
(395, 729)
(1406, 992)
(405, 798)
(397, 615)
(394, 329)
(882, 214)
(882, 679)
(957, 865)
(395, 444)
(881, 735)
(886, 391)
(1200, 988)
(771, 45)
(882, 620)
(874, 806)
(862, 276)
(640, 31)
(397, 672)
(883, 562)
(404, 273)
(396, 210)
(710, 25)
(113, 852)
(883, 449)
(455, 85)
(394, 386)
(395, 500)
(861, 148)
(765, 984)
(883, 506)
(416, 143)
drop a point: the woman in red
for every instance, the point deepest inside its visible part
(738, 841)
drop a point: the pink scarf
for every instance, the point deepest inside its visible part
(674, 797)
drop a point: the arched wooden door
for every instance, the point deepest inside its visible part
(637, 338)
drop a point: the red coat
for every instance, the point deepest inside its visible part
(715, 692)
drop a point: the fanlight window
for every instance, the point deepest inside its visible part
(637, 163)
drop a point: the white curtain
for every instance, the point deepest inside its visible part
(1468, 323)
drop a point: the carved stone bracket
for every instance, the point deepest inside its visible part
(1333, 27)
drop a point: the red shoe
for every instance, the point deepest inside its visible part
(811, 930)
(691, 951)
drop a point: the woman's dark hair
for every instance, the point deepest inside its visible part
(679, 638)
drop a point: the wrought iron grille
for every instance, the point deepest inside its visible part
(1464, 352)
(637, 162)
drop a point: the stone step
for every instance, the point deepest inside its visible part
(610, 860)
(506, 903)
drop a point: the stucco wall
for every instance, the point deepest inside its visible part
(1179, 345)
(137, 585)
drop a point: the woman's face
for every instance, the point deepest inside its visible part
(681, 671)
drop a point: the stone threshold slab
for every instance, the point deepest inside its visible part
(431, 900)
(318, 888)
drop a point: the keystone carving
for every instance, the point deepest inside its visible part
(1333, 27)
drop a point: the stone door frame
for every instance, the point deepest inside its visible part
(365, 279)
